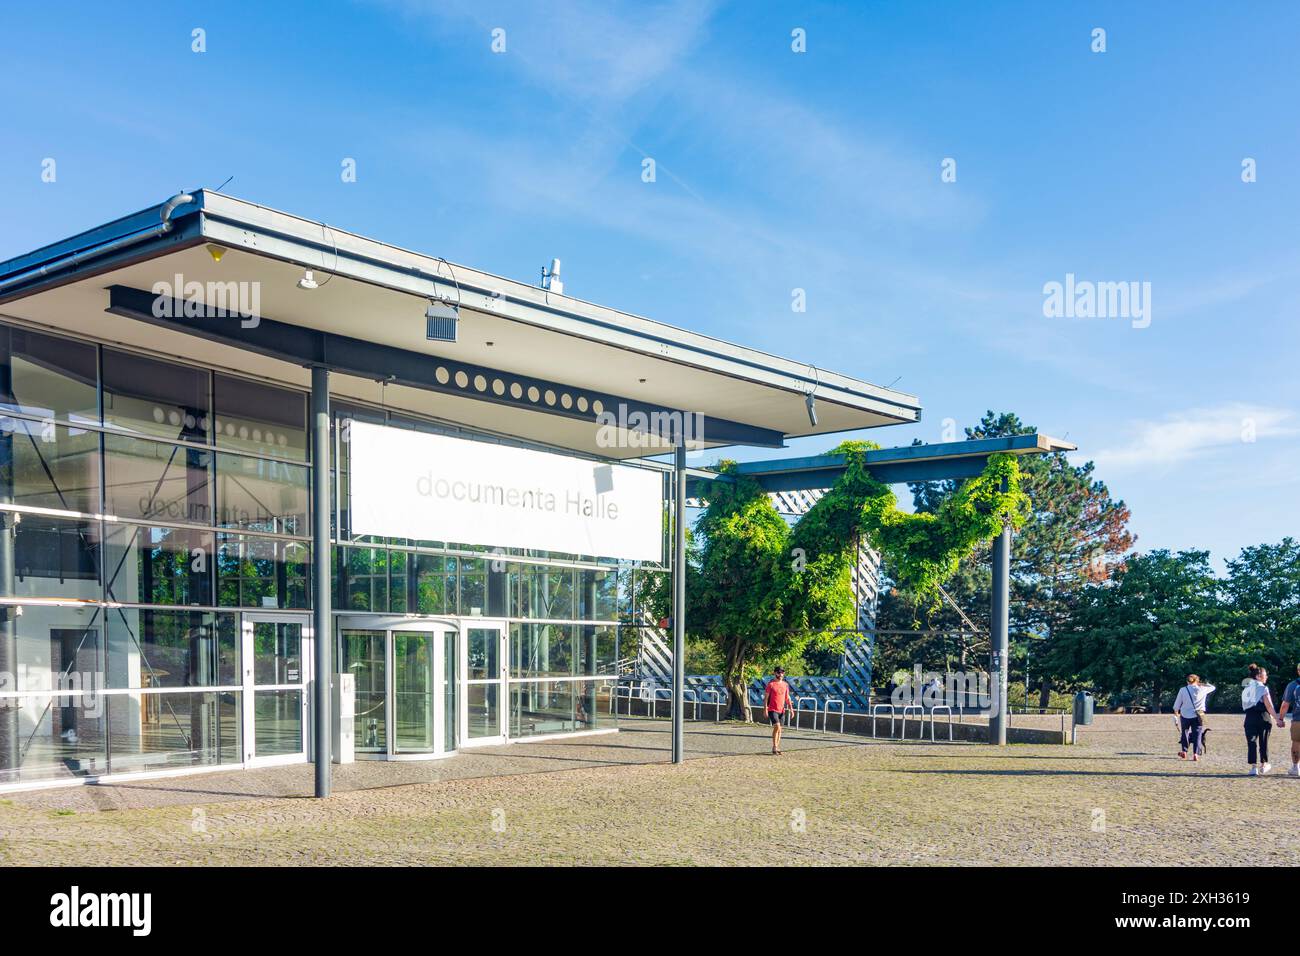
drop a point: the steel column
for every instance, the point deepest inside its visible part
(679, 595)
(322, 619)
(999, 624)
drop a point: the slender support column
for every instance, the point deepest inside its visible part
(322, 619)
(10, 753)
(1000, 622)
(679, 596)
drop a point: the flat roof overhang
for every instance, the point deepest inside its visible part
(366, 321)
(908, 463)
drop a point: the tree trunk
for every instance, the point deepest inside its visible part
(737, 687)
(1045, 692)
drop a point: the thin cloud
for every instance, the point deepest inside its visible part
(1196, 433)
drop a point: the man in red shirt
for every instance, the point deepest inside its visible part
(777, 703)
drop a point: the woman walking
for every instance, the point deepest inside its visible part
(1189, 705)
(1258, 705)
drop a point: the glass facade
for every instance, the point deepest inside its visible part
(149, 508)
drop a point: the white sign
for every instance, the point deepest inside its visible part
(414, 485)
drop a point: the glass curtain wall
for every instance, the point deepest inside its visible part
(565, 612)
(142, 504)
(180, 496)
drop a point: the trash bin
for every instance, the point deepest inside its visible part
(1083, 708)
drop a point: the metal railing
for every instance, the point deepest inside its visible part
(720, 699)
(878, 708)
(935, 710)
(826, 713)
(799, 709)
(920, 730)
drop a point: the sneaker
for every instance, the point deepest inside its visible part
(1266, 768)
(1253, 771)
(1294, 771)
(1182, 755)
(1196, 756)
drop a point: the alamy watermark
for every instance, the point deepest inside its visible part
(82, 690)
(969, 690)
(1085, 299)
(179, 299)
(622, 427)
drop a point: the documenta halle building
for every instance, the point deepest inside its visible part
(213, 413)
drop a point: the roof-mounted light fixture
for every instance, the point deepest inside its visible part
(810, 399)
(443, 313)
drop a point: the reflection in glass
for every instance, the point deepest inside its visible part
(363, 657)
(47, 377)
(366, 585)
(156, 731)
(259, 418)
(413, 691)
(541, 650)
(450, 685)
(599, 595)
(541, 707)
(277, 652)
(56, 557)
(257, 494)
(473, 586)
(435, 583)
(49, 648)
(262, 572)
(154, 480)
(543, 592)
(277, 722)
(44, 465)
(484, 713)
(481, 658)
(151, 397)
(597, 649)
(158, 565)
(552, 707)
(172, 648)
(58, 737)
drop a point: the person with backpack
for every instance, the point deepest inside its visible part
(1189, 705)
(1291, 702)
(1257, 703)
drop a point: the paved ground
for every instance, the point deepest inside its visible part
(1120, 796)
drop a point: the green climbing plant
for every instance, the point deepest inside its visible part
(763, 591)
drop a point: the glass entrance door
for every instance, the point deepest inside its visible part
(407, 691)
(365, 656)
(277, 657)
(483, 669)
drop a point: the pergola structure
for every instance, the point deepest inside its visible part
(909, 463)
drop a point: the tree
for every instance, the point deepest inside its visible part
(1135, 638)
(764, 592)
(1075, 534)
(1264, 596)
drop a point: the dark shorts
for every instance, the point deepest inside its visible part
(774, 717)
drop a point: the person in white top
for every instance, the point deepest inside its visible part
(1258, 706)
(1189, 705)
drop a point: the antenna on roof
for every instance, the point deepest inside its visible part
(551, 278)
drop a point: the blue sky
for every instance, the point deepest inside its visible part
(776, 170)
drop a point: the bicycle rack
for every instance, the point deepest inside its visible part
(717, 702)
(920, 731)
(877, 708)
(826, 714)
(801, 710)
(934, 710)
